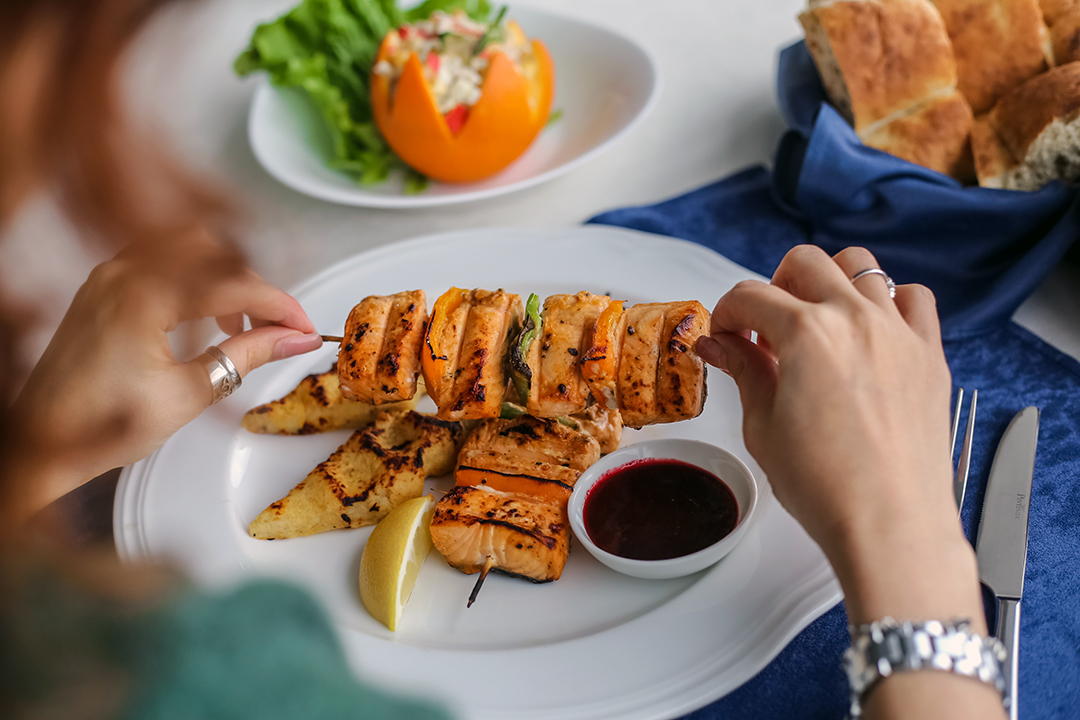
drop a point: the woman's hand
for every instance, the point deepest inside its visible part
(846, 407)
(845, 401)
(108, 390)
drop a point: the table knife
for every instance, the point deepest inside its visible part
(1003, 534)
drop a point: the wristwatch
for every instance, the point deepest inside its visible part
(886, 646)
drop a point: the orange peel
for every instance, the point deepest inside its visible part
(513, 108)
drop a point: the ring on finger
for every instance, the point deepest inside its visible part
(224, 377)
(877, 271)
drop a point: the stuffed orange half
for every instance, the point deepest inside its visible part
(459, 101)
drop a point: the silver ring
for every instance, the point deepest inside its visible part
(878, 271)
(224, 379)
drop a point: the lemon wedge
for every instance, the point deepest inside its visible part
(392, 558)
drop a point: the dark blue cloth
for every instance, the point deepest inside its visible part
(982, 252)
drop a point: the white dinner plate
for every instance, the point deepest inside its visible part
(605, 84)
(595, 644)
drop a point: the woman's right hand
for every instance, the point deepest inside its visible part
(845, 401)
(846, 407)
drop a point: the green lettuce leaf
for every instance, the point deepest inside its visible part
(327, 48)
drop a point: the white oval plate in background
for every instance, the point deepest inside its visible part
(605, 84)
(596, 643)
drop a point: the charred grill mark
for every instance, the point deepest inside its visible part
(346, 518)
(676, 346)
(348, 347)
(572, 351)
(318, 391)
(419, 461)
(412, 306)
(262, 409)
(307, 429)
(374, 507)
(451, 425)
(521, 429)
(683, 328)
(369, 441)
(361, 331)
(562, 389)
(352, 364)
(548, 542)
(391, 362)
(629, 329)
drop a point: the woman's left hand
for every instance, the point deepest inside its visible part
(108, 390)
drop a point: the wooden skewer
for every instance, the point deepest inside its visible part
(488, 564)
(331, 338)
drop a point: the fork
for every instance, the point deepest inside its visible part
(962, 467)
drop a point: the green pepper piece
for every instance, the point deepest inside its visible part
(519, 366)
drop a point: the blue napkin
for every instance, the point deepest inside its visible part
(982, 252)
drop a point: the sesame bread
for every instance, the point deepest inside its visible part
(934, 135)
(998, 44)
(879, 58)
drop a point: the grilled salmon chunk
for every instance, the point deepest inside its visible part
(638, 363)
(531, 456)
(557, 387)
(379, 359)
(524, 537)
(605, 426)
(661, 378)
(464, 352)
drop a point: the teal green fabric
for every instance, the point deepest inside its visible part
(265, 650)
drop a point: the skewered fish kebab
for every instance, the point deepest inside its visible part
(582, 349)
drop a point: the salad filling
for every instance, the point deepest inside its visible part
(455, 52)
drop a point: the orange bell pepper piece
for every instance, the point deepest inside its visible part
(512, 110)
(540, 488)
(600, 363)
(435, 357)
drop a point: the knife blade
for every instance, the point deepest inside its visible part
(1001, 546)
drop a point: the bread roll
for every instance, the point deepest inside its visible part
(998, 44)
(995, 166)
(935, 135)
(1054, 9)
(879, 58)
(1065, 35)
(1038, 123)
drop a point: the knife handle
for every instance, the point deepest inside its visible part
(1008, 632)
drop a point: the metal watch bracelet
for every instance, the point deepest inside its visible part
(886, 646)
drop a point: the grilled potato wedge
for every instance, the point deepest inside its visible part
(315, 405)
(379, 359)
(376, 470)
